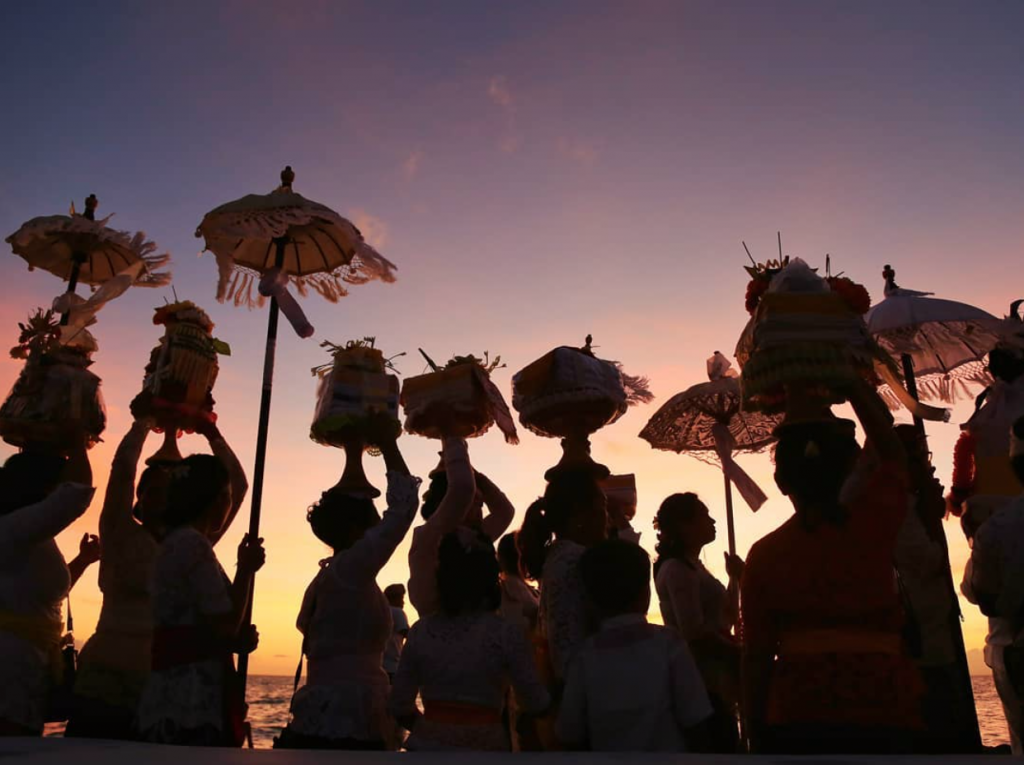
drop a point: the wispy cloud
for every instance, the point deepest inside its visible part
(375, 230)
(500, 93)
(411, 165)
(581, 151)
(510, 144)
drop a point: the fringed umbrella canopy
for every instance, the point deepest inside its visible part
(57, 243)
(946, 340)
(687, 421)
(323, 250)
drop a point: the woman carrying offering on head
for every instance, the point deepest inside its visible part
(40, 496)
(345, 619)
(192, 696)
(115, 662)
(456, 497)
(462, 660)
(826, 668)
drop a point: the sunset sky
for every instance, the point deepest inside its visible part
(538, 172)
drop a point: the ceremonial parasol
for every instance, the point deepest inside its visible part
(942, 343)
(706, 422)
(80, 248)
(271, 240)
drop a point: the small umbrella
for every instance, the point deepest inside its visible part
(706, 422)
(941, 343)
(272, 240)
(80, 248)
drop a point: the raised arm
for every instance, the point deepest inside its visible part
(44, 520)
(877, 422)
(365, 558)
(236, 474)
(461, 487)
(500, 511)
(120, 496)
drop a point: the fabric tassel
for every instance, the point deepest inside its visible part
(274, 283)
(915, 407)
(745, 485)
(498, 408)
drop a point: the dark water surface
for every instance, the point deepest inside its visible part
(269, 697)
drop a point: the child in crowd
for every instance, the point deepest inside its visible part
(633, 686)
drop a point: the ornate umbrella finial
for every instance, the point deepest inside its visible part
(889, 274)
(287, 177)
(91, 203)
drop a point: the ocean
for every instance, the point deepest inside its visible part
(269, 697)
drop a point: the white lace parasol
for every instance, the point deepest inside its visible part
(946, 340)
(57, 243)
(687, 421)
(323, 250)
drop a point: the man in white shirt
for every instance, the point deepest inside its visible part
(633, 686)
(395, 594)
(994, 580)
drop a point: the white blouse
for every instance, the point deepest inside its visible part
(34, 580)
(469, 659)
(693, 602)
(563, 614)
(347, 624)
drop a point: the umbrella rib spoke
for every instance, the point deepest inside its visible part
(298, 260)
(323, 255)
(344, 258)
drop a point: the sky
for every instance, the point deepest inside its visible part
(537, 171)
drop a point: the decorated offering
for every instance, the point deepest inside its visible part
(356, 409)
(805, 330)
(178, 383)
(569, 393)
(458, 399)
(354, 388)
(55, 397)
(183, 367)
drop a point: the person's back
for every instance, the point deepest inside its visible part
(633, 686)
(826, 666)
(462, 660)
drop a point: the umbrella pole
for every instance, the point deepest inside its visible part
(76, 268)
(729, 522)
(731, 531)
(256, 505)
(963, 668)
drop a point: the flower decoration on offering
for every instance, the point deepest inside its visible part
(182, 369)
(458, 399)
(809, 331)
(569, 393)
(55, 396)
